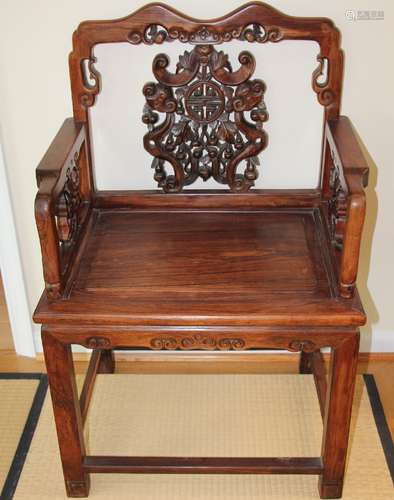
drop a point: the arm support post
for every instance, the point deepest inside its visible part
(346, 200)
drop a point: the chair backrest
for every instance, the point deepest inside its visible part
(205, 119)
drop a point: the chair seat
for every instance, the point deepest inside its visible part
(269, 267)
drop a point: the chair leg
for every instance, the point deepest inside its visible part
(305, 366)
(107, 362)
(313, 363)
(337, 416)
(67, 412)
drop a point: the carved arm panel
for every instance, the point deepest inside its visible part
(62, 203)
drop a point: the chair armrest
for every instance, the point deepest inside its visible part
(347, 204)
(62, 203)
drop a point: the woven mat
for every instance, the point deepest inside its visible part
(16, 397)
(207, 415)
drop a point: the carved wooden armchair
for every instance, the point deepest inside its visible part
(178, 269)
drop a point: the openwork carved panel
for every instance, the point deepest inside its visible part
(155, 33)
(69, 204)
(337, 205)
(213, 119)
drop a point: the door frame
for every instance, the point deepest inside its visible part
(12, 271)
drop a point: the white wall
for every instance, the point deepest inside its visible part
(292, 157)
(35, 39)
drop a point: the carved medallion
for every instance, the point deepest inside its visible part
(205, 132)
(204, 102)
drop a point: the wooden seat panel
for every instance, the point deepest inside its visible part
(204, 268)
(199, 252)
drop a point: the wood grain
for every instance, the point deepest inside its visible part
(68, 418)
(202, 465)
(207, 199)
(337, 415)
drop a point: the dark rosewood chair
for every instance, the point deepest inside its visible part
(176, 269)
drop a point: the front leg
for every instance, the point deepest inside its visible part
(67, 412)
(337, 416)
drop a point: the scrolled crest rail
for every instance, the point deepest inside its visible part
(254, 22)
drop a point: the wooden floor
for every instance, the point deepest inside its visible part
(380, 365)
